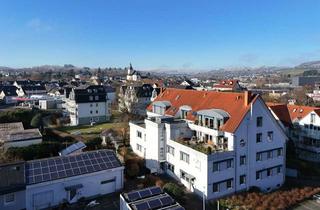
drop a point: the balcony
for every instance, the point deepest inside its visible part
(196, 126)
(206, 147)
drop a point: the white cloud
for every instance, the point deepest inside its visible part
(38, 25)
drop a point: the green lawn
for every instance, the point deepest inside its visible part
(95, 129)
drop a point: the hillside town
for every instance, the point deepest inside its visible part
(159, 105)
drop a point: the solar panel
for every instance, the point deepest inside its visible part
(142, 206)
(67, 166)
(156, 190)
(166, 201)
(145, 193)
(133, 196)
(156, 203)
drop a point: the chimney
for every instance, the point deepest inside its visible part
(247, 97)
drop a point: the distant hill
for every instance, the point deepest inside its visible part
(309, 65)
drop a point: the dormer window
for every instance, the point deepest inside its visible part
(160, 107)
(313, 118)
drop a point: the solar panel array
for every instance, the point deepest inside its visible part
(62, 167)
(154, 203)
(141, 194)
(72, 148)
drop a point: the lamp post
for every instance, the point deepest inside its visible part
(203, 200)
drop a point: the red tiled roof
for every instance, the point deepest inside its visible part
(287, 113)
(232, 103)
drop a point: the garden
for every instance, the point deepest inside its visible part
(280, 199)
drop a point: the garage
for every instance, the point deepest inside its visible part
(43, 200)
(108, 186)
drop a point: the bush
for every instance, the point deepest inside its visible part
(94, 143)
(174, 190)
(160, 183)
(281, 199)
(133, 170)
(36, 121)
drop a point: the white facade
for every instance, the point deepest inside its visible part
(215, 173)
(307, 141)
(85, 113)
(50, 194)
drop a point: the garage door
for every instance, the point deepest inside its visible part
(108, 186)
(43, 200)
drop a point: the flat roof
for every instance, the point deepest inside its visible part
(44, 170)
(12, 177)
(24, 135)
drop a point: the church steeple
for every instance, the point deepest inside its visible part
(130, 69)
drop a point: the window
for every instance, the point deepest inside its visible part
(313, 118)
(270, 136)
(91, 98)
(170, 167)
(108, 181)
(183, 175)
(242, 179)
(229, 163)
(90, 105)
(279, 152)
(259, 156)
(184, 157)
(215, 167)
(278, 169)
(242, 160)
(96, 111)
(242, 143)
(139, 147)
(259, 121)
(139, 134)
(9, 198)
(170, 150)
(96, 98)
(259, 137)
(97, 104)
(215, 187)
(258, 175)
(229, 184)
(90, 111)
(269, 154)
(184, 114)
(269, 172)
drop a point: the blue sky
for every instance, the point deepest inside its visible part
(159, 34)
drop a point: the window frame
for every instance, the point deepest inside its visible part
(259, 122)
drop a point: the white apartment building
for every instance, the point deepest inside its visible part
(87, 104)
(215, 143)
(302, 125)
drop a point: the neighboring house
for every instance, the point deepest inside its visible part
(14, 135)
(132, 74)
(152, 198)
(315, 95)
(135, 98)
(12, 186)
(302, 125)
(50, 103)
(8, 94)
(187, 83)
(87, 104)
(111, 93)
(227, 85)
(48, 183)
(29, 88)
(214, 143)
